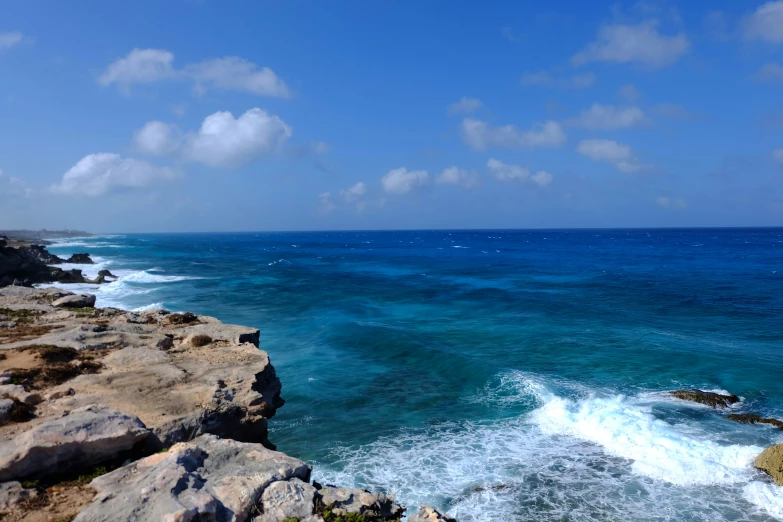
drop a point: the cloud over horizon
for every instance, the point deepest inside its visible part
(480, 135)
(612, 152)
(97, 174)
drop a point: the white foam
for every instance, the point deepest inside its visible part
(145, 308)
(768, 497)
(145, 277)
(678, 454)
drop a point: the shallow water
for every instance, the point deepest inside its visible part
(501, 375)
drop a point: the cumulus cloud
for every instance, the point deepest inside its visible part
(667, 202)
(222, 140)
(479, 135)
(504, 172)
(320, 147)
(544, 79)
(8, 40)
(617, 154)
(97, 174)
(765, 24)
(158, 138)
(640, 43)
(401, 181)
(608, 117)
(456, 176)
(770, 72)
(231, 73)
(465, 106)
(353, 193)
(777, 154)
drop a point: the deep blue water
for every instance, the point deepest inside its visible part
(501, 375)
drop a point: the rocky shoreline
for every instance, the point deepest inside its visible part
(110, 415)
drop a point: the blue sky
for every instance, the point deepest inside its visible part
(210, 116)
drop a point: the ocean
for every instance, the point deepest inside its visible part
(500, 375)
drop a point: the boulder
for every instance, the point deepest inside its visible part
(711, 399)
(284, 500)
(16, 391)
(12, 493)
(75, 301)
(80, 259)
(209, 479)
(430, 514)
(771, 461)
(106, 273)
(6, 408)
(372, 506)
(83, 438)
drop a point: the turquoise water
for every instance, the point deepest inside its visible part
(501, 375)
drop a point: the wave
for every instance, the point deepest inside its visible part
(592, 457)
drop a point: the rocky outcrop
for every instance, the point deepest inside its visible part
(207, 479)
(714, 400)
(748, 418)
(80, 259)
(27, 264)
(82, 438)
(12, 494)
(81, 387)
(771, 462)
(430, 514)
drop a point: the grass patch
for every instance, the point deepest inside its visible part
(22, 316)
(87, 311)
(185, 318)
(83, 480)
(66, 518)
(52, 354)
(200, 340)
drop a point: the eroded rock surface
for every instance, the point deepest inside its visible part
(75, 301)
(82, 438)
(714, 400)
(430, 514)
(771, 461)
(749, 418)
(207, 479)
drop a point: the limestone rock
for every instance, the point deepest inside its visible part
(208, 479)
(286, 500)
(771, 461)
(75, 301)
(712, 399)
(15, 391)
(82, 438)
(12, 493)
(372, 506)
(430, 514)
(6, 407)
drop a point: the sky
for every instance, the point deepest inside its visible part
(191, 115)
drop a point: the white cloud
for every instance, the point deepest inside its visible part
(608, 117)
(770, 72)
(668, 202)
(354, 193)
(778, 155)
(140, 66)
(236, 74)
(8, 40)
(144, 66)
(504, 172)
(465, 105)
(629, 93)
(158, 138)
(456, 176)
(222, 140)
(766, 23)
(617, 154)
(640, 43)
(11, 186)
(320, 147)
(325, 205)
(97, 174)
(544, 79)
(479, 135)
(402, 181)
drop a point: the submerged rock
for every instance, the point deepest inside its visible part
(208, 479)
(430, 514)
(771, 461)
(748, 418)
(711, 399)
(80, 439)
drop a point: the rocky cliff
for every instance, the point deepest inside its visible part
(113, 415)
(25, 264)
